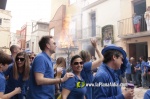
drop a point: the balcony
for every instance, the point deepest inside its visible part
(127, 29)
(86, 4)
(88, 32)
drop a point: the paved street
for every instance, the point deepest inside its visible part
(139, 92)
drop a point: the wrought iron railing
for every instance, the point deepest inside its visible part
(126, 26)
(88, 32)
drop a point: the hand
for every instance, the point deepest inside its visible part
(128, 93)
(67, 75)
(94, 42)
(17, 90)
(59, 72)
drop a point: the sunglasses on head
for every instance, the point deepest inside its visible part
(21, 59)
(76, 63)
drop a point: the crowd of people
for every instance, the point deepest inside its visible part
(25, 75)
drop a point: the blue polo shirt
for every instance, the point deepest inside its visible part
(13, 83)
(128, 69)
(41, 64)
(147, 95)
(74, 84)
(87, 75)
(2, 82)
(106, 75)
(143, 64)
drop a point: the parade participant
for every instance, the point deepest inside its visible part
(133, 72)
(147, 95)
(128, 72)
(89, 66)
(138, 73)
(4, 61)
(74, 88)
(42, 81)
(114, 58)
(142, 68)
(18, 75)
(14, 49)
(59, 66)
(31, 58)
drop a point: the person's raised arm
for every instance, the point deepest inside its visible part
(96, 63)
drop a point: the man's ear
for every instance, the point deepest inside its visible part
(113, 57)
(48, 45)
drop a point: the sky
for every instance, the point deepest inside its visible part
(23, 11)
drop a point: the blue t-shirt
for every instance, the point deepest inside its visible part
(143, 64)
(128, 69)
(13, 83)
(41, 64)
(87, 75)
(2, 82)
(106, 75)
(77, 88)
(147, 95)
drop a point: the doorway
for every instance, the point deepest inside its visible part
(140, 9)
(138, 49)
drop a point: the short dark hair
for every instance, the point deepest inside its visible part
(12, 48)
(75, 57)
(109, 54)
(43, 41)
(5, 58)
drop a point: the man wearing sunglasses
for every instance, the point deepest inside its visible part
(42, 81)
(114, 61)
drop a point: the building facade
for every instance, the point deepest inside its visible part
(5, 17)
(135, 42)
(110, 21)
(39, 29)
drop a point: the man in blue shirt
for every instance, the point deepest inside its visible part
(114, 58)
(143, 75)
(42, 81)
(128, 72)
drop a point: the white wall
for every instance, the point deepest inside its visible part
(107, 13)
(5, 29)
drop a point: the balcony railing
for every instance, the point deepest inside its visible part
(88, 32)
(127, 28)
(90, 3)
(87, 2)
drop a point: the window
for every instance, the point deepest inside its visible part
(72, 28)
(52, 32)
(72, 1)
(0, 21)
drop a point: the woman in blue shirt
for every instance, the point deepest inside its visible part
(88, 66)
(18, 75)
(74, 88)
(4, 61)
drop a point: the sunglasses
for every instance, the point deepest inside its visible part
(31, 58)
(21, 59)
(76, 63)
